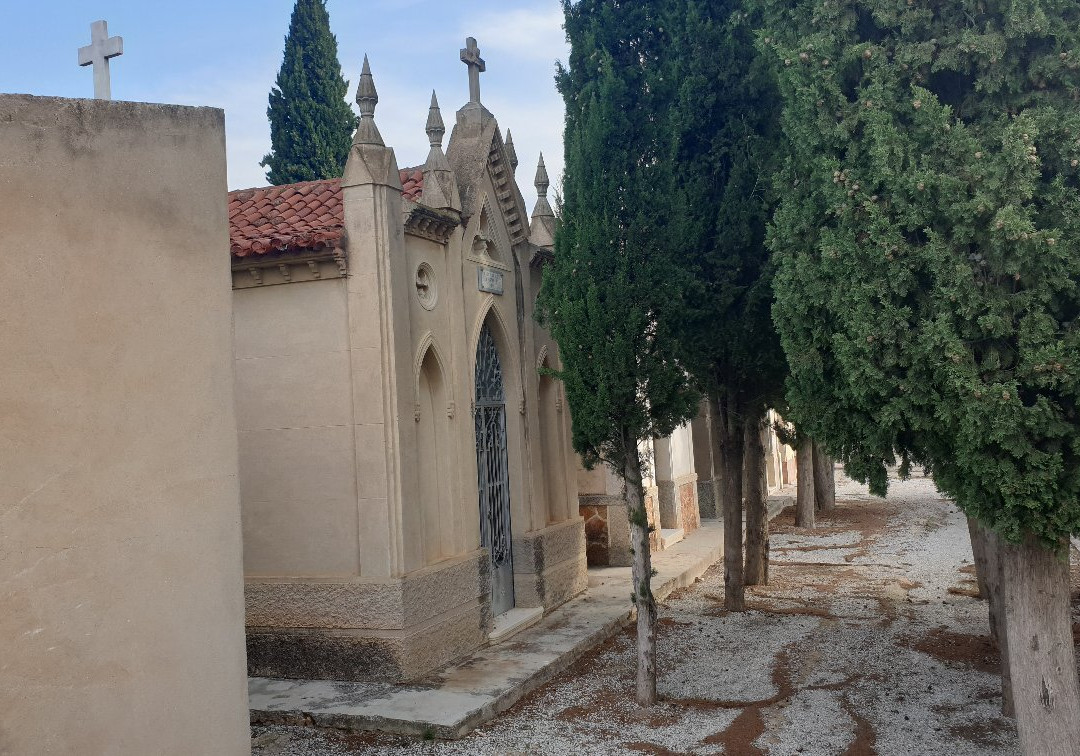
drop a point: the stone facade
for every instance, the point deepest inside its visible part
(360, 315)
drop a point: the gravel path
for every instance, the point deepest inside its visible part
(867, 640)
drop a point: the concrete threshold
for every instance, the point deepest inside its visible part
(453, 701)
(671, 536)
(510, 623)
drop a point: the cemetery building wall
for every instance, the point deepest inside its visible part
(120, 554)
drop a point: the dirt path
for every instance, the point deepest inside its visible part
(866, 641)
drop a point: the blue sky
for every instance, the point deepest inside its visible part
(226, 54)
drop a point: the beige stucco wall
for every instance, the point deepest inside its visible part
(294, 414)
(120, 569)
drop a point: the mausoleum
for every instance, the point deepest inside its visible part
(406, 474)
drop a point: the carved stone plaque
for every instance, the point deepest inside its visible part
(489, 280)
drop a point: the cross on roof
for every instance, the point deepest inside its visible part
(470, 56)
(97, 54)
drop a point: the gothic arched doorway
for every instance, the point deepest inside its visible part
(493, 478)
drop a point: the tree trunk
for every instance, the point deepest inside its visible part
(641, 570)
(824, 481)
(1042, 659)
(804, 495)
(978, 553)
(755, 493)
(992, 547)
(730, 445)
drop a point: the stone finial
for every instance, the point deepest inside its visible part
(541, 182)
(542, 227)
(511, 153)
(440, 187)
(435, 126)
(367, 98)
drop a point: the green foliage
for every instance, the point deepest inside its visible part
(725, 135)
(311, 123)
(614, 292)
(928, 240)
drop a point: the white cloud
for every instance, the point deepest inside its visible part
(531, 33)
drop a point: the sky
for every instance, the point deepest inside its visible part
(226, 54)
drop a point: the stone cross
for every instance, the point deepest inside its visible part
(470, 56)
(97, 54)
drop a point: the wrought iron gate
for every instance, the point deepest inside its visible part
(493, 480)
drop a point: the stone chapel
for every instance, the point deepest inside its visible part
(406, 470)
(408, 488)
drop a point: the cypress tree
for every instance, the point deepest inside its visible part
(311, 123)
(613, 292)
(725, 135)
(928, 291)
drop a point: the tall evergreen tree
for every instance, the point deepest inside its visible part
(928, 294)
(614, 290)
(311, 123)
(725, 134)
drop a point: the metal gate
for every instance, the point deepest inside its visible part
(493, 480)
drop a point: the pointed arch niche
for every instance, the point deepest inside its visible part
(433, 459)
(552, 441)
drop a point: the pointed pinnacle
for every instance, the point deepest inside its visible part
(511, 153)
(435, 126)
(367, 98)
(542, 182)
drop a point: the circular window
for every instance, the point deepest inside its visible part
(426, 290)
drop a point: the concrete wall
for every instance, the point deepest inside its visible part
(120, 566)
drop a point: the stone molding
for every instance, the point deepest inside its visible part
(428, 223)
(254, 271)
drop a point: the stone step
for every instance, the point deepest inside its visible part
(671, 536)
(510, 623)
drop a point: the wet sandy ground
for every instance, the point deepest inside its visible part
(867, 640)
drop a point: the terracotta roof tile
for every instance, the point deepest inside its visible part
(412, 183)
(306, 215)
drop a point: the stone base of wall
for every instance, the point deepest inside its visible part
(550, 565)
(687, 512)
(607, 530)
(368, 629)
(707, 498)
(360, 655)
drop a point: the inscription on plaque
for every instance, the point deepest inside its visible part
(489, 280)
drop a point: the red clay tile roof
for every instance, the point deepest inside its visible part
(283, 218)
(306, 215)
(412, 183)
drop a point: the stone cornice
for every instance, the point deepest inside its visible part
(288, 267)
(429, 223)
